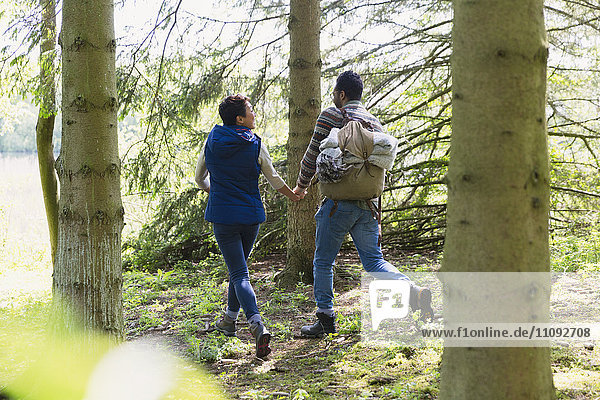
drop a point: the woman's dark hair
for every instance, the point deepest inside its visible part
(351, 84)
(231, 107)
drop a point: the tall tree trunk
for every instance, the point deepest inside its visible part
(87, 274)
(304, 107)
(498, 180)
(45, 123)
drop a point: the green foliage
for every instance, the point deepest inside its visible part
(180, 298)
(179, 91)
(574, 173)
(349, 324)
(216, 346)
(19, 72)
(42, 363)
(18, 119)
(300, 394)
(282, 331)
(256, 394)
(573, 120)
(185, 299)
(272, 236)
(176, 232)
(576, 252)
(287, 300)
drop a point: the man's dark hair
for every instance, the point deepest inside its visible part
(231, 107)
(351, 84)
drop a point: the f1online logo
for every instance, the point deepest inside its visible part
(388, 299)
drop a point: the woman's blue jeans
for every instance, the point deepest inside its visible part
(235, 243)
(331, 231)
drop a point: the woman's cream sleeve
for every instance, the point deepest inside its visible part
(202, 179)
(266, 166)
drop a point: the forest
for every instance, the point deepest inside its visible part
(496, 110)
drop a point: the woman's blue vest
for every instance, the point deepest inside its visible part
(231, 155)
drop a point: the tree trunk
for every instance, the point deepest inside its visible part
(45, 123)
(87, 274)
(498, 181)
(304, 107)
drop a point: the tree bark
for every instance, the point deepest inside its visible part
(304, 107)
(45, 123)
(87, 274)
(498, 181)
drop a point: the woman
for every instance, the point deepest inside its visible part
(228, 169)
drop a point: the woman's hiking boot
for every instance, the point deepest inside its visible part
(420, 299)
(226, 325)
(262, 337)
(325, 324)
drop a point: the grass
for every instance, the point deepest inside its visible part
(182, 305)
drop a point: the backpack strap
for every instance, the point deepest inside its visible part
(379, 211)
(334, 208)
(376, 213)
(347, 118)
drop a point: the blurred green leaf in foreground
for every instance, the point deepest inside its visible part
(38, 362)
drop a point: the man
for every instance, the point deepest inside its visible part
(336, 219)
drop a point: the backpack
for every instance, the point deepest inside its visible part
(353, 160)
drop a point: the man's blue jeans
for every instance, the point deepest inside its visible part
(331, 231)
(235, 243)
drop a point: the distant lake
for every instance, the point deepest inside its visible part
(21, 202)
(25, 265)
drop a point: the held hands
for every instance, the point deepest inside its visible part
(290, 194)
(293, 196)
(300, 192)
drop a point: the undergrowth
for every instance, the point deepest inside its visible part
(184, 302)
(571, 253)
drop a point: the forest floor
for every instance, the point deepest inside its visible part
(180, 306)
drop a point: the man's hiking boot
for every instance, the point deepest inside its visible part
(420, 299)
(262, 337)
(226, 325)
(325, 324)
